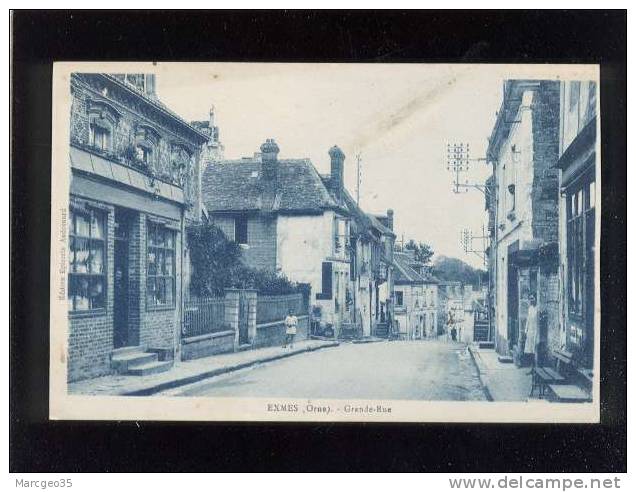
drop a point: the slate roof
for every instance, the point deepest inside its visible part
(404, 273)
(380, 226)
(238, 185)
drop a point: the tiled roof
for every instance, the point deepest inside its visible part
(238, 185)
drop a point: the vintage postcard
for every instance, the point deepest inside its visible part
(325, 242)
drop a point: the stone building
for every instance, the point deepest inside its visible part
(577, 217)
(134, 185)
(372, 270)
(415, 294)
(523, 149)
(289, 219)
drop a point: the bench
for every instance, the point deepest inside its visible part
(544, 376)
(564, 358)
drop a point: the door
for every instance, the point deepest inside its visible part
(513, 306)
(121, 282)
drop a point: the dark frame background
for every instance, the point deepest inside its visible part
(41, 37)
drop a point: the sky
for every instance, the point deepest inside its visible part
(398, 117)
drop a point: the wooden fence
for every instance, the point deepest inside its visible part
(276, 308)
(203, 316)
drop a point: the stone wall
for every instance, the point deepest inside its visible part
(206, 345)
(273, 334)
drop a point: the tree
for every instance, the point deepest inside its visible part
(423, 252)
(216, 266)
(214, 259)
(454, 269)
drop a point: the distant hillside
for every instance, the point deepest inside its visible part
(454, 269)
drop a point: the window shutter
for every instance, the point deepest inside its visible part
(327, 280)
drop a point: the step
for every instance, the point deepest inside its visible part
(123, 362)
(505, 359)
(244, 346)
(486, 345)
(126, 350)
(150, 368)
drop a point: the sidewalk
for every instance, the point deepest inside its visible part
(501, 381)
(190, 371)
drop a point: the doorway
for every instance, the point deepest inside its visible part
(121, 326)
(513, 306)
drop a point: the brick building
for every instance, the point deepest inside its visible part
(523, 204)
(134, 185)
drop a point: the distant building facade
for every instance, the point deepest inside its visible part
(409, 298)
(134, 185)
(450, 307)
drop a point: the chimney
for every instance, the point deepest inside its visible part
(151, 85)
(269, 158)
(212, 116)
(389, 218)
(337, 168)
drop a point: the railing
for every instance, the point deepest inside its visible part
(203, 316)
(276, 308)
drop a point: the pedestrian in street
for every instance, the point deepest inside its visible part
(530, 347)
(451, 325)
(291, 322)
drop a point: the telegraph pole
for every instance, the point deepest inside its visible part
(458, 162)
(466, 240)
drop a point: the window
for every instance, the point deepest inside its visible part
(399, 298)
(160, 284)
(99, 137)
(102, 124)
(144, 155)
(240, 230)
(327, 282)
(87, 270)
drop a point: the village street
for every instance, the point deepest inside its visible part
(421, 370)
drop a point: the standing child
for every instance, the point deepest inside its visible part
(291, 322)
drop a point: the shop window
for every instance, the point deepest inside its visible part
(580, 246)
(87, 257)
(240, 230)
(160, 283)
